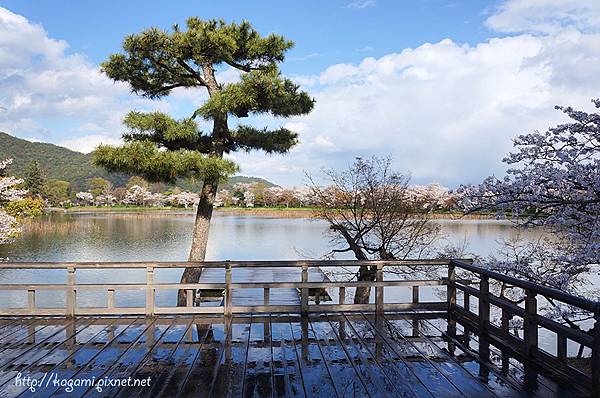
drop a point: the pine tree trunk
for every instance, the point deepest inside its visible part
(208, 193)
(200, 236)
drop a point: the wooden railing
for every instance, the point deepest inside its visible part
(527, 345)
(150, 286)
(457, 281)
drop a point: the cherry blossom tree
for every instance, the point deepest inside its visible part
(86, 198)
(185, 199)
(368, 211)
(554, 183)
(8, 192)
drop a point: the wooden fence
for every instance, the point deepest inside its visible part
(528, 345)
(150, 286)
(463, 286)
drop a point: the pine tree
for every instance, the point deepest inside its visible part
(160, 148)
(34, 179)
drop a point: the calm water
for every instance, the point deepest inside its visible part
(150, 236)
(166, 237)
(155, 237)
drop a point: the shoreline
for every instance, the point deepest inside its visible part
(240, 211)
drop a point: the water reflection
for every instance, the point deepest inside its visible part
(152, 236)
(166, 237)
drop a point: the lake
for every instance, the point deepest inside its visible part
(166, 236)
(153, 236)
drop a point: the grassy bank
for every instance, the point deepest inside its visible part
(281, 212)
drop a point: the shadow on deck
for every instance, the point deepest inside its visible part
(344, 355)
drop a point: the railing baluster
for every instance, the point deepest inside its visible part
(342, 295)
(149, 291)
(530, 333)
(379, 290)
(561, 347)
(505, 321)
(228, 298)
(415, 294)
(110, 299)
(304, 290)
(484, 303)
(189, 297)
(451, 288)
(71, 298)
(467, 301)
(266, 296)
(31, 299)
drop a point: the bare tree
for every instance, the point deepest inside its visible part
(370, 214)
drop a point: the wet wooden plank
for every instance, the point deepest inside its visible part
(468, 385)
(405, 381)
(375, 379)
(425, 372)
(23, 360)
(66, 363)
(108, 356)
(315, 375)
(23, 332)
(231, 363)
(185, 375)
(481, 372)
(133, 357)
(341, 368)
(15, 326)
(40, 360)
(532, 383)
(35, 342)
(158, 365)
(10, 322)
(287, 378)
(258, 378)
(284, 355)
(73, 365)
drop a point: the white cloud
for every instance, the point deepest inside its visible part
(546, 16)
(86, 144)
(360, 4)
(43, 88)
(446, 112)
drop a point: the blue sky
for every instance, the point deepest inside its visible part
(442, 86)
(325, 32)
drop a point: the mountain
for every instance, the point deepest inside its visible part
(56, 161)
(76, 167)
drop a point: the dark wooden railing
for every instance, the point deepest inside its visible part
(528, 345)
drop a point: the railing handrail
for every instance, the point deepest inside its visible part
(219, 264)
(583, 303)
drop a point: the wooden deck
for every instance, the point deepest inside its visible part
(316, 355)
(255, 296)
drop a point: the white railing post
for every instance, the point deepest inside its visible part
(228, 299)
(110, 300)
(31, 300)
(451, 287)
(304, 290)
(149, 291)
(71, 292)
